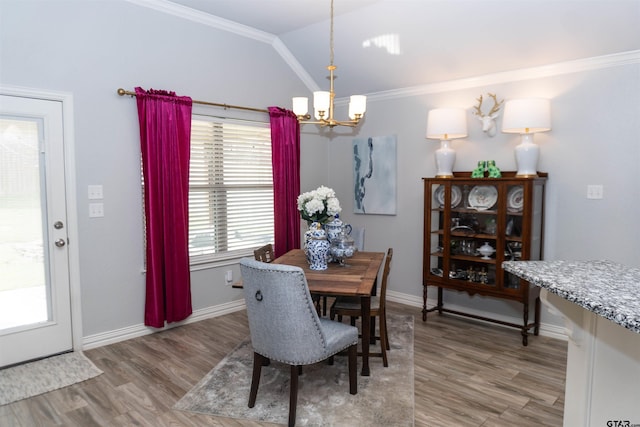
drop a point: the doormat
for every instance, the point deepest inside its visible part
(34, 378)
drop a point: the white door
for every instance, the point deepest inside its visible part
(35, 306)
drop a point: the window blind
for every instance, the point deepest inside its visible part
(230, 188)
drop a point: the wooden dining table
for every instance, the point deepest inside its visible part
(358, 278)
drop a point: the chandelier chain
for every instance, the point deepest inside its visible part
(331, 36)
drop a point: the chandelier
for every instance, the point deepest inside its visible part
(323, 101)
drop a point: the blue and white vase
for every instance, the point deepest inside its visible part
(317, 247)
(333, 228)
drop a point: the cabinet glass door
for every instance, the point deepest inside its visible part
(513, 231)
(436, 233)
(473, 235)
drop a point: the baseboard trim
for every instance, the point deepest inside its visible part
(547, 330)
(117, 335)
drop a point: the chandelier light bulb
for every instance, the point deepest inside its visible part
(300, 105)
(357, 106)
(321, 101)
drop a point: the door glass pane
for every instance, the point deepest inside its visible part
(23, 293)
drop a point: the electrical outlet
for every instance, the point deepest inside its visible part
(595, 191)
(229, 276)
(96, 210)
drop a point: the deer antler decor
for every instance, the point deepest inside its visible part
(488, 120)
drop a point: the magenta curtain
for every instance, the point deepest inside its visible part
(285, 157)
(165, 129)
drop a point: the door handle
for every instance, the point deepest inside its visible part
(60, 243)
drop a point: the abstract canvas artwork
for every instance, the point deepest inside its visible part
(374, 175)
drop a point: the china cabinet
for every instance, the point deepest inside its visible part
(472, 225)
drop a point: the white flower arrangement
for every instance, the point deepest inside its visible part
(320, 205)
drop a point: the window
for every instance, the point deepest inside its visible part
(230, 188)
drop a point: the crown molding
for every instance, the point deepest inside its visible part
(568, 67)
(171, 8)
(193, 15)
(293, 63)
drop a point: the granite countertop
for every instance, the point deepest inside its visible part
(606, 288)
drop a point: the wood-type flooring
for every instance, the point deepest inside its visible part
(467, 373)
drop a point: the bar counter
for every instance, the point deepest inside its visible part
(606, 288)
(599, 302)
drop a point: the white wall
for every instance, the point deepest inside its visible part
(594, 140)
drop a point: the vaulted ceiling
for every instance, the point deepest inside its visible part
(387, 45)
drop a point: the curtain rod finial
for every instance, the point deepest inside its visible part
(121, 92)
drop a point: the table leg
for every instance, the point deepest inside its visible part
(372, 325)
(366, 333)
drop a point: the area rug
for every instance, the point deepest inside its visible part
(34, 378)
(385, 398)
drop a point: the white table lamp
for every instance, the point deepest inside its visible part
(446, 124)
(527, 117)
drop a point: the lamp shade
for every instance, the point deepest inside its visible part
(300, 105)
(321, 101)
(528, 115)
(357, 106)
(446, 123)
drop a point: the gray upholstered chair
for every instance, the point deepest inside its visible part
(285, 327)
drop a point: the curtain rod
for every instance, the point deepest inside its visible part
(123, 92)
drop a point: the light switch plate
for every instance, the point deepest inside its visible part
(95, 192)
(595, 191)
